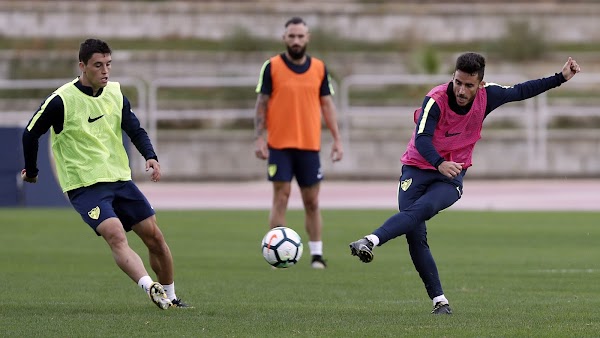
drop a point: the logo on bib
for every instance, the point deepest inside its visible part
(90, 119)
(94, 213)
(448, 134)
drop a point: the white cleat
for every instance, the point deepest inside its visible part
(159, 296)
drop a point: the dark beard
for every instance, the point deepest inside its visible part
(296, 55)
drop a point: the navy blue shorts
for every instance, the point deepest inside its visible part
(101, 201)
(429, 186)
(284, 164)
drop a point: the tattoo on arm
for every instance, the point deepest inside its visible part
(261, 115)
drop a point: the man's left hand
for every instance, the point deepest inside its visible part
(152, 163)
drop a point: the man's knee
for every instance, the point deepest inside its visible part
(150, 234)
(418, 236)
(427, 209)
(112, 231)
(281, 191)
(156, 243)
(311, 205)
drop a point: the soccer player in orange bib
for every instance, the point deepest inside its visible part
(294, 89)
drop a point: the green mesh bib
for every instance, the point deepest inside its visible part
(90, 147)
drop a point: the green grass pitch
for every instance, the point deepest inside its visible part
(506, 274)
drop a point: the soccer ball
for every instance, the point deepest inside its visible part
(282, 247)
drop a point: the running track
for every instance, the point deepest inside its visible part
(563, 195)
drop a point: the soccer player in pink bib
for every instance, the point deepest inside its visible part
(448, 125)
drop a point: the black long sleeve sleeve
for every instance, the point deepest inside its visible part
(497, 95)
(131, 125)
(50, 114)
(424, 140)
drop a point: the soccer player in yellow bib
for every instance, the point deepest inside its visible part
(86, 117)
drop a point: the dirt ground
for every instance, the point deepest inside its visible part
(566, 194)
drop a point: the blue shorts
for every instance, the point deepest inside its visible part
(430, 187)
(101, 201)
(284, 164)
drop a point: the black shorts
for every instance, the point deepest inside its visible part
(101, 201)
(284, 164)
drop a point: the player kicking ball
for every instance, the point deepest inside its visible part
(86, 117)
(448, 125)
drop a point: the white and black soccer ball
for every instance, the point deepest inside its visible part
(282, 247)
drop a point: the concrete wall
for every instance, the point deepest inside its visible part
(194, 155)
(369, 155)
(392, 20)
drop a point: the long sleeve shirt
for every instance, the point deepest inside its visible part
(496, 96)
(50, 114)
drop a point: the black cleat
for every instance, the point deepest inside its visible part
(441, 309)
(318, 262)
(363, 248)
(179, 303)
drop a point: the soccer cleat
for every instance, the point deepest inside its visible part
(177, 302)
(318, 262)
(441, 309)
(158, 296)
(363, 248)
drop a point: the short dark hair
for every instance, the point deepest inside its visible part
(471, 63)
(91, 46)
(295, 21)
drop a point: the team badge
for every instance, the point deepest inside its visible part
(405, 184)
(94, 213)
(272, 169)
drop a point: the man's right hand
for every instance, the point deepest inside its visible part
(28, 179)
(260, 148)
(450, 169)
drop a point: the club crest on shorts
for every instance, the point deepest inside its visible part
(405, 184)
(272, 169)
(94, 213)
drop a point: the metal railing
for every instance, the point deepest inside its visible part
(523, 112)
(20, 118)
(156, 114)
(534, 116)
(546, 111)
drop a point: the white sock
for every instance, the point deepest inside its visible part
(440, 298)
(316, 248)
(170, 290)
(145, 283)
(374, 239)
